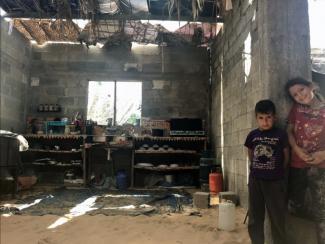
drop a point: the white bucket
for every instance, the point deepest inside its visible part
(169, 179)
(226, 219)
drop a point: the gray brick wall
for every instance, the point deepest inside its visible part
(237, 96)
(15, 53)
(279, 51)
(64, 72)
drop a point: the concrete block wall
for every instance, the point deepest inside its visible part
(15, 53)
(273, 37)
(234, 93)
(280, 50)
(64, 71)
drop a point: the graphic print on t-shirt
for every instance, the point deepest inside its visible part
(263, 150)
(263, 157)
(267, 153)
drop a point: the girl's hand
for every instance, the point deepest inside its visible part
(303, 154)
(318, 157)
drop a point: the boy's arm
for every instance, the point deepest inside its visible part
(250, 154)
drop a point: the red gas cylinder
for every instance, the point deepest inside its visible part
(215, 182)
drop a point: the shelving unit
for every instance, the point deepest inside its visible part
(53, 156)
(164, 151)
(174, 156)
(167, 169)
(55, 151)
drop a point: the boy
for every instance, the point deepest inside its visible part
(268, 153)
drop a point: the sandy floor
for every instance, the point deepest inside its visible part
(167, 228)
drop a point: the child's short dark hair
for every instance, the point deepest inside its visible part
(265, 107)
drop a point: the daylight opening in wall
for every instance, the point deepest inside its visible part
(247, 169)
(116, 101)
(81, 22)
(247, 56)
(316, 20)
(254, 16)
(2, 12)
(168, 24)
(138, 48)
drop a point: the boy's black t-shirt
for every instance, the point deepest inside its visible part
(267, 147)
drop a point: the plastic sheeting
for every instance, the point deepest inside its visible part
(23, 143)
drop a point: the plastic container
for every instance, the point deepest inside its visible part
(169, 179)
(121, 180)
(57, 127)
(215, 182)
(226, 218)
(99, 134)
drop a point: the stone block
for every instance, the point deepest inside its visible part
(49, 81)
(6, 67)
(243, 199)
(228, 196)
(82, 66)
(75, 91)
(80, 101)
(201, 199)
(37, 55)
(214, 199)
(152, 67)
(57, 91)
(66, 101)
(5, 88)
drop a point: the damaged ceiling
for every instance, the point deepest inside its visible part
(47, 30)
(114, 22)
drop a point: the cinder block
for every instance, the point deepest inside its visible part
(228, 196)
(214, 199)
(201, 199)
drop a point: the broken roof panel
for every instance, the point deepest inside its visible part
(103, 30)
(209, 30)
(137, 31)
(47, 30)
(134, 6)
(205, 10)
(108, 6)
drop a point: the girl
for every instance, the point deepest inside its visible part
(306, 134)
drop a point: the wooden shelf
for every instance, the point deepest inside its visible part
(157, 138)
(63, 159)
(168, 168)
(54, 151)
(54, 136)
(186, 151)
(57, 165)
(165, 152)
